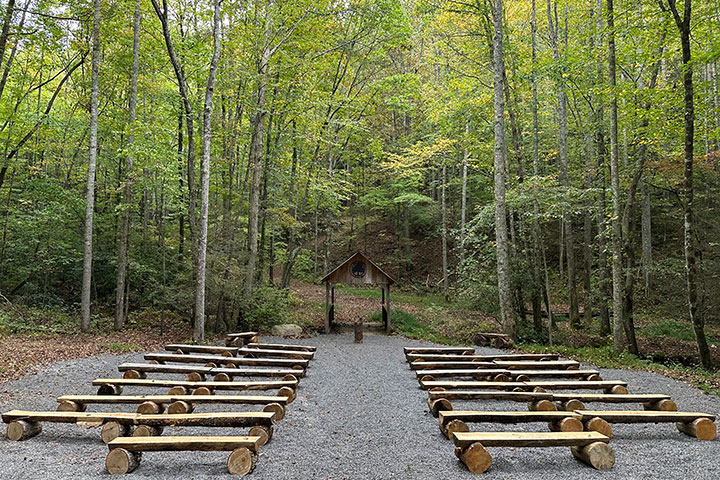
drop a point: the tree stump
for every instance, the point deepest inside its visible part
(665, 405)
(180, 407)
(178, 391)
(134, 374)
(277, 408)
(241, 461)
(147, 431)
(572, 405)
(265, 434)
(475, 457)
(702, 429)
(599, 455)
(439, 405)
(70, 406)
(150, 408)
(203, 391)
(599, 425)
(195, 377)
(109, 390)
(112, 430)
(287, 392)
(455, 426)
(541, 406)
(120, 461)
(569, 424)
(22, 430)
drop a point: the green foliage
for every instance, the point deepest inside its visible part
(267, 307)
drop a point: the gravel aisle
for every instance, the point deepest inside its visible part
(359, 415)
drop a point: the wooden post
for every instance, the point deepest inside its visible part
(388, 327)
(327, 307)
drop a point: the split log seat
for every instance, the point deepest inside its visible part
(211, 349)
(440, 350)
(282, 346)
(517, 375)
(220, 360)
(241, 338)
(175, 403)
(450, 365)
(124, 455)
(650, 401)
(609, 386)
(440, 400)
(269, 353)
(433, 357)
(26, 424)
(479, 373)
(695, 424)
(456, 421)
(537, 365)
(114, 386)
(526, 375)
(590, 447)
(140, 370)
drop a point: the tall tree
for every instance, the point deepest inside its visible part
(92, 161)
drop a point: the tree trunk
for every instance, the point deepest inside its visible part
(199, 329)
(500, 149)
(446, 281)
(127, 190)
(646, 238)
(92, 161)
(619, 340)
(692, 250)
(463, 198)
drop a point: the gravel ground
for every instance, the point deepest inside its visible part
(359, 414)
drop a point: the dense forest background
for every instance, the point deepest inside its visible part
(196, 157)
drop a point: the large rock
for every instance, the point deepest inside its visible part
(287, 330)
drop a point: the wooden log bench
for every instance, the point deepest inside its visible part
(241, 338)
(589, 447)
(441, 399)
(488, 339)
(608, 386)
(450, 365)
(26, 424)
(650, 401)
(215, 361)
(440, 350)
(496, 374)
(282, 346)
(211, 349)
(124, 455)
(695, 424)
(114, 386)
(269, 353)
(176, 404)
(537, 364)
(197, 372)
(528, 375)
(432, 357)
(456, 421)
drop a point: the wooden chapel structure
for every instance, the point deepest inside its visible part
(357, 270)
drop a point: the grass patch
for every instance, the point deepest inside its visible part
(417, 299)
(121, 347)
(411, 326)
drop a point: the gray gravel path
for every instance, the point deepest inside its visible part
(359, 415)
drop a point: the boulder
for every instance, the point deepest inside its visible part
(287, 330)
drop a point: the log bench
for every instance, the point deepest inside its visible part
(450, 365)
(440, 350)
(114, 386)
(695, 424)
(588, 447)
(270, 353)
(26, 424)
(211, 349)
(241, 338)
(228, 362)
(608, 386)
(440, 399)
(432, 357)
(537, 364)
(282, 346)
(500, 375)
(650, 401)
(197, 372)
(528, 375)
(456, 421)
(124, 455)
(176, 404)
